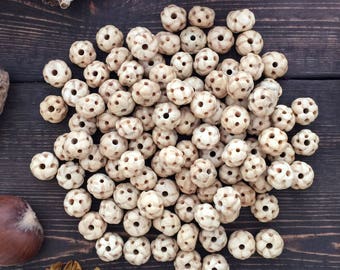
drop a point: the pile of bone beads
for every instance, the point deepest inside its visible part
(206, 179)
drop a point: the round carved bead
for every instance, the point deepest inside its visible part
(220, 39)
(173, 18)
(193, 39)
(305, 142)
(305, 110)
(82, 53)
(109, 37)
(202, 17)
(96, 73)
(275, 65)
(240, 20)
(249, 42)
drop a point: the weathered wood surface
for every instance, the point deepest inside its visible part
(308, 32)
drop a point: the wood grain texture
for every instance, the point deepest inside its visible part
(309, 220)
(308, 32)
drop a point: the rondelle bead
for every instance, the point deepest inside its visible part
(109, 247)
(240, 20)
(215, 119)
(112, 170)
(59, 149)
(252, 167)
(184, 182)
(168, 43)
(57, 73)
(303, 175)
(137, 250)
(131, 163)
(229, 175)
(121, 103)
(228, 66)
(173, 18)
(179, 92)
(96, 73)
(133, 33)
(166, 116)
(94, 161)
(196, 83)
(168, 223)
(187, 237)
(240, 85)
(182, 63)
(129, 127)
(193, 39)
(117, 57)
(146, 180)
(280, 175)
(283, 118)
(205, 136)
(78, 144)
(77, 202)
(249, 42)
(269, 243)
(100, 186)
(214, 154)
(305, 142)
(215, 262)
(80, 123)
(235, 119)
(109, 37)
(206, 216)
(110, 211)
(92, 226)
(73, 90)
(168, 190)
(172, 158)
(213, 241)
(53, 109)
(145, 115)
(112, 145)
(90, 106)
(125, 196)
(130, 72)
(258, 124)
(143, 46)
(190, 260)
(82, 53)
(203, 173)
(135, 224)
(273, 141)
(235, 152)
(247, 194)
(108, 88)
(106, 122)
(241, 244)
(202, 17)
(162, 74)
(252, 63)
(217, 83)
(164, 137)
(275, 64)
(205, 61)
(203, 104)
(228, 204)
(164, 248)
(150, 204)
(146, 92)
(220, 39)
(184, 207)
(70, 175)
(305, 110)
(189, 150)
(44, 166)
(266, 207)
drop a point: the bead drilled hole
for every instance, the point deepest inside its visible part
(275, 64)
(269, 245)
(241, 246)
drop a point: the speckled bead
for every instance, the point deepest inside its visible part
(203, 104)
(271, 84)
(146, 92)
(94, 161)
(305, 142)
(215, 262)
(100, 186)
(305, 110)
(184, 207)
(146, 180)
(288, 155)
(80, 123)
(112, 170)
(144, 144)
(70, 175)
(110, 211)
(229, 175)
(213, 241)
(150, 204)
(215, 119)
(240, 85)
(44, 166)
(205, 136)
(117, 57)
(179, 92)
(203, 173)
(235, 153)
(252, 63)
(168, 190)
(125, 196)
(90, 106)
(275, 64)
(189, 150)
(59, 149)
(269, 243)
(112, 145)
(166, 116)
(149, 64)
(193, 39)
(252, 167)
(261, 185)
(228, 66)
(73, 90)
(206, 194)
(109, 37)
(137, 250)
(96, 73)
(247, 194)
(168, 223)
(241, 244)
(187, 237)
(214, 154)
(168, 43)
(249, 42)
(188, 122)
(182, 63)
(106, 122)
(133, 33)
(184, 182)
(53, 109)
(109, 247)
(217, 83)
(164, 137)
(240, 20)
(173, 18)
(227, 137)
(121, 103)
(235, 119)
(243, 102)
(228, 204)
(190, 260)
(78, 144)
(280, 175)
(130, 72)
(57, 73)
(266, 207)
(145, 115)
(255, 148)
(129, 127)
(206, 216)
(77, 202)
(162, 74)
(92, 226)
(303, 175)
(283, 118)
(273, 141)
(82, 53)
(131, 163)
(220, 39)
(202, 17)
(144, 46)
(172, 158)
(258, 124)
(205, 61)
(135, 224)
(164, 248)
(196, 83)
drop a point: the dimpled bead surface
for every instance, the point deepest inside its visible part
(269, 243)
(305, 142)
(240, 20)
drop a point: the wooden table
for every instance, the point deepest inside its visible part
(307, 31)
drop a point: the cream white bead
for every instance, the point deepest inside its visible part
(206, 216)
(303, 175)
(73, 90)
(77, 202)
(100, 186)
(109, 37)
(280, 175)
(269, 243)
(70, 175)
(137, 250)
(164, 248)
(125, 196)
(135, 224)
(213, 241)
(109, 247)
(44, 166)
(305, 142)
(92, 226)
(110, 211)
(235, 153)
(241, 244)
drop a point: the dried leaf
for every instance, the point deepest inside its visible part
(72, 265)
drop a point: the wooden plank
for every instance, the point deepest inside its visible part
(30, 33)
(309, 220)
